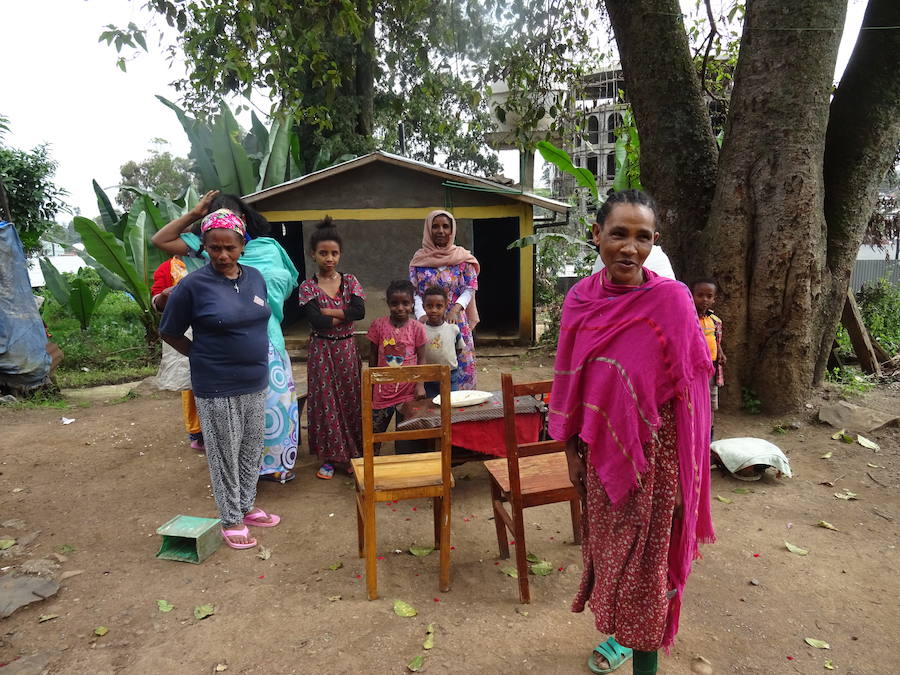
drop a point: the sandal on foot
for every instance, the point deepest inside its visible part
(260, 518)
(614, 653)
(238, 532)
(325, 472)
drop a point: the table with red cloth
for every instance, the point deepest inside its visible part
(477, 427)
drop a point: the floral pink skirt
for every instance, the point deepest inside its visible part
(626, 548)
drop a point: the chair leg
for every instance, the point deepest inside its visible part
(436, 501)
(499, 524)
(575, 508)
(360, 527)
(444, 584)
(370, 545)
(521, 553)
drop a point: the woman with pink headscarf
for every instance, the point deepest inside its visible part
(440, 262)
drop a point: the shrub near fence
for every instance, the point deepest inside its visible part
(869, 271)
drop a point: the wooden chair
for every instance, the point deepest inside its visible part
(531, 475)
(413, 476)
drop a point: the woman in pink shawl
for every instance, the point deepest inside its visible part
(440, 262)
(631, 399)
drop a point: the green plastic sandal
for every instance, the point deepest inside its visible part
(614, 653)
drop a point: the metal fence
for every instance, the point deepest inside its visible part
(865, 271)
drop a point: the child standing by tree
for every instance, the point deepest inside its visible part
(445, 342)
(704, 293)
(331, 302)
(396, 341)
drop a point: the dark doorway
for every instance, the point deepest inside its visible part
(290, 236)
(498, 281)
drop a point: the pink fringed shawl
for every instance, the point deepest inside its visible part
(623, 352)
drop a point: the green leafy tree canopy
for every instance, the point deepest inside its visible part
(161, 172)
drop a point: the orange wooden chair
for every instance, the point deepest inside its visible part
(532, 474)
(414, 476)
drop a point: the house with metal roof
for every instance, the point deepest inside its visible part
(379, 202)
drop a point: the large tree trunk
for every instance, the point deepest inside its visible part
(678, 150)
(767, 236)
(862, 137)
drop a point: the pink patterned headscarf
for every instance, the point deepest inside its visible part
(223, 219)
(624, 352)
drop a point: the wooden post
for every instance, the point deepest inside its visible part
(859, 336)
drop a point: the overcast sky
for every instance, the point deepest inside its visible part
(61, 86)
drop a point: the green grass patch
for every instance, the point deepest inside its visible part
(112, 350)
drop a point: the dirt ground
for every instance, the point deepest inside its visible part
(99, 487)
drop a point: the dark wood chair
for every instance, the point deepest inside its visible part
(532, 474)
(413, 476)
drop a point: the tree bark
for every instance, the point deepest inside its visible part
(766, 240)
(862, 137)
(678, 149)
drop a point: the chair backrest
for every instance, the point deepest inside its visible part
(514, 449)
(394, 375)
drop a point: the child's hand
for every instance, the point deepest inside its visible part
(420, 391)
(453, 314)
(721, 357)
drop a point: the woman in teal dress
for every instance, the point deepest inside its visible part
(268, 256)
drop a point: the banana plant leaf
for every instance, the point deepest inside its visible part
(231, 161)
(538, 237)
(82, 301)
(199, 136)
(55, 282)
(296, 167)
(136, 246)
(273, 169)
(103, 247)
(257, 141)
(107, 213)
(561, 160)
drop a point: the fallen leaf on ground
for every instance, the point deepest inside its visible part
(221, 667)
(416, 664)
(336, 566)
(100, 631)
(866, 443)
(65, 549)
(404, 609)
(7, 543)
(846, 495)
(874, 466)
(827, 455)
(532, 558)
(818, 644)
(69, 574)
(827, 525)
(742, 491)
(724, 500)
(523, 612)
(264, 553)
(47, 617)
(421, 551)
(164, 606)
(429, 637)
(334, 598)
(542, 569)
(795, 549)
(829, 665)
(836, 436)
(203, 611)
(510, 571)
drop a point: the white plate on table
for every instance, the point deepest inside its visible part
(460, 399)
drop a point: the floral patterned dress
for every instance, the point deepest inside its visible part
(456, 279)
(333, 404)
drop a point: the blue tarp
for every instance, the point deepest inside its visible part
(24, 361)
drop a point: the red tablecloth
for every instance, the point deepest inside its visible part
(478, 428)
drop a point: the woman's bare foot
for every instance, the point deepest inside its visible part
(259, 516)
(235, 535)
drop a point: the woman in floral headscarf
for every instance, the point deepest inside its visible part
(225, 304)
(442, 263)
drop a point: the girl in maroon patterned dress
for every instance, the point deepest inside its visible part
(332, 301)
(631, 400)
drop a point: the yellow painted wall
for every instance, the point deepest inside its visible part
(526, 276)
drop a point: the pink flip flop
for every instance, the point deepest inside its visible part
(258, 518)
(238, 532)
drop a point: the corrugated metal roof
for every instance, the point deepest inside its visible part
(398, 160)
